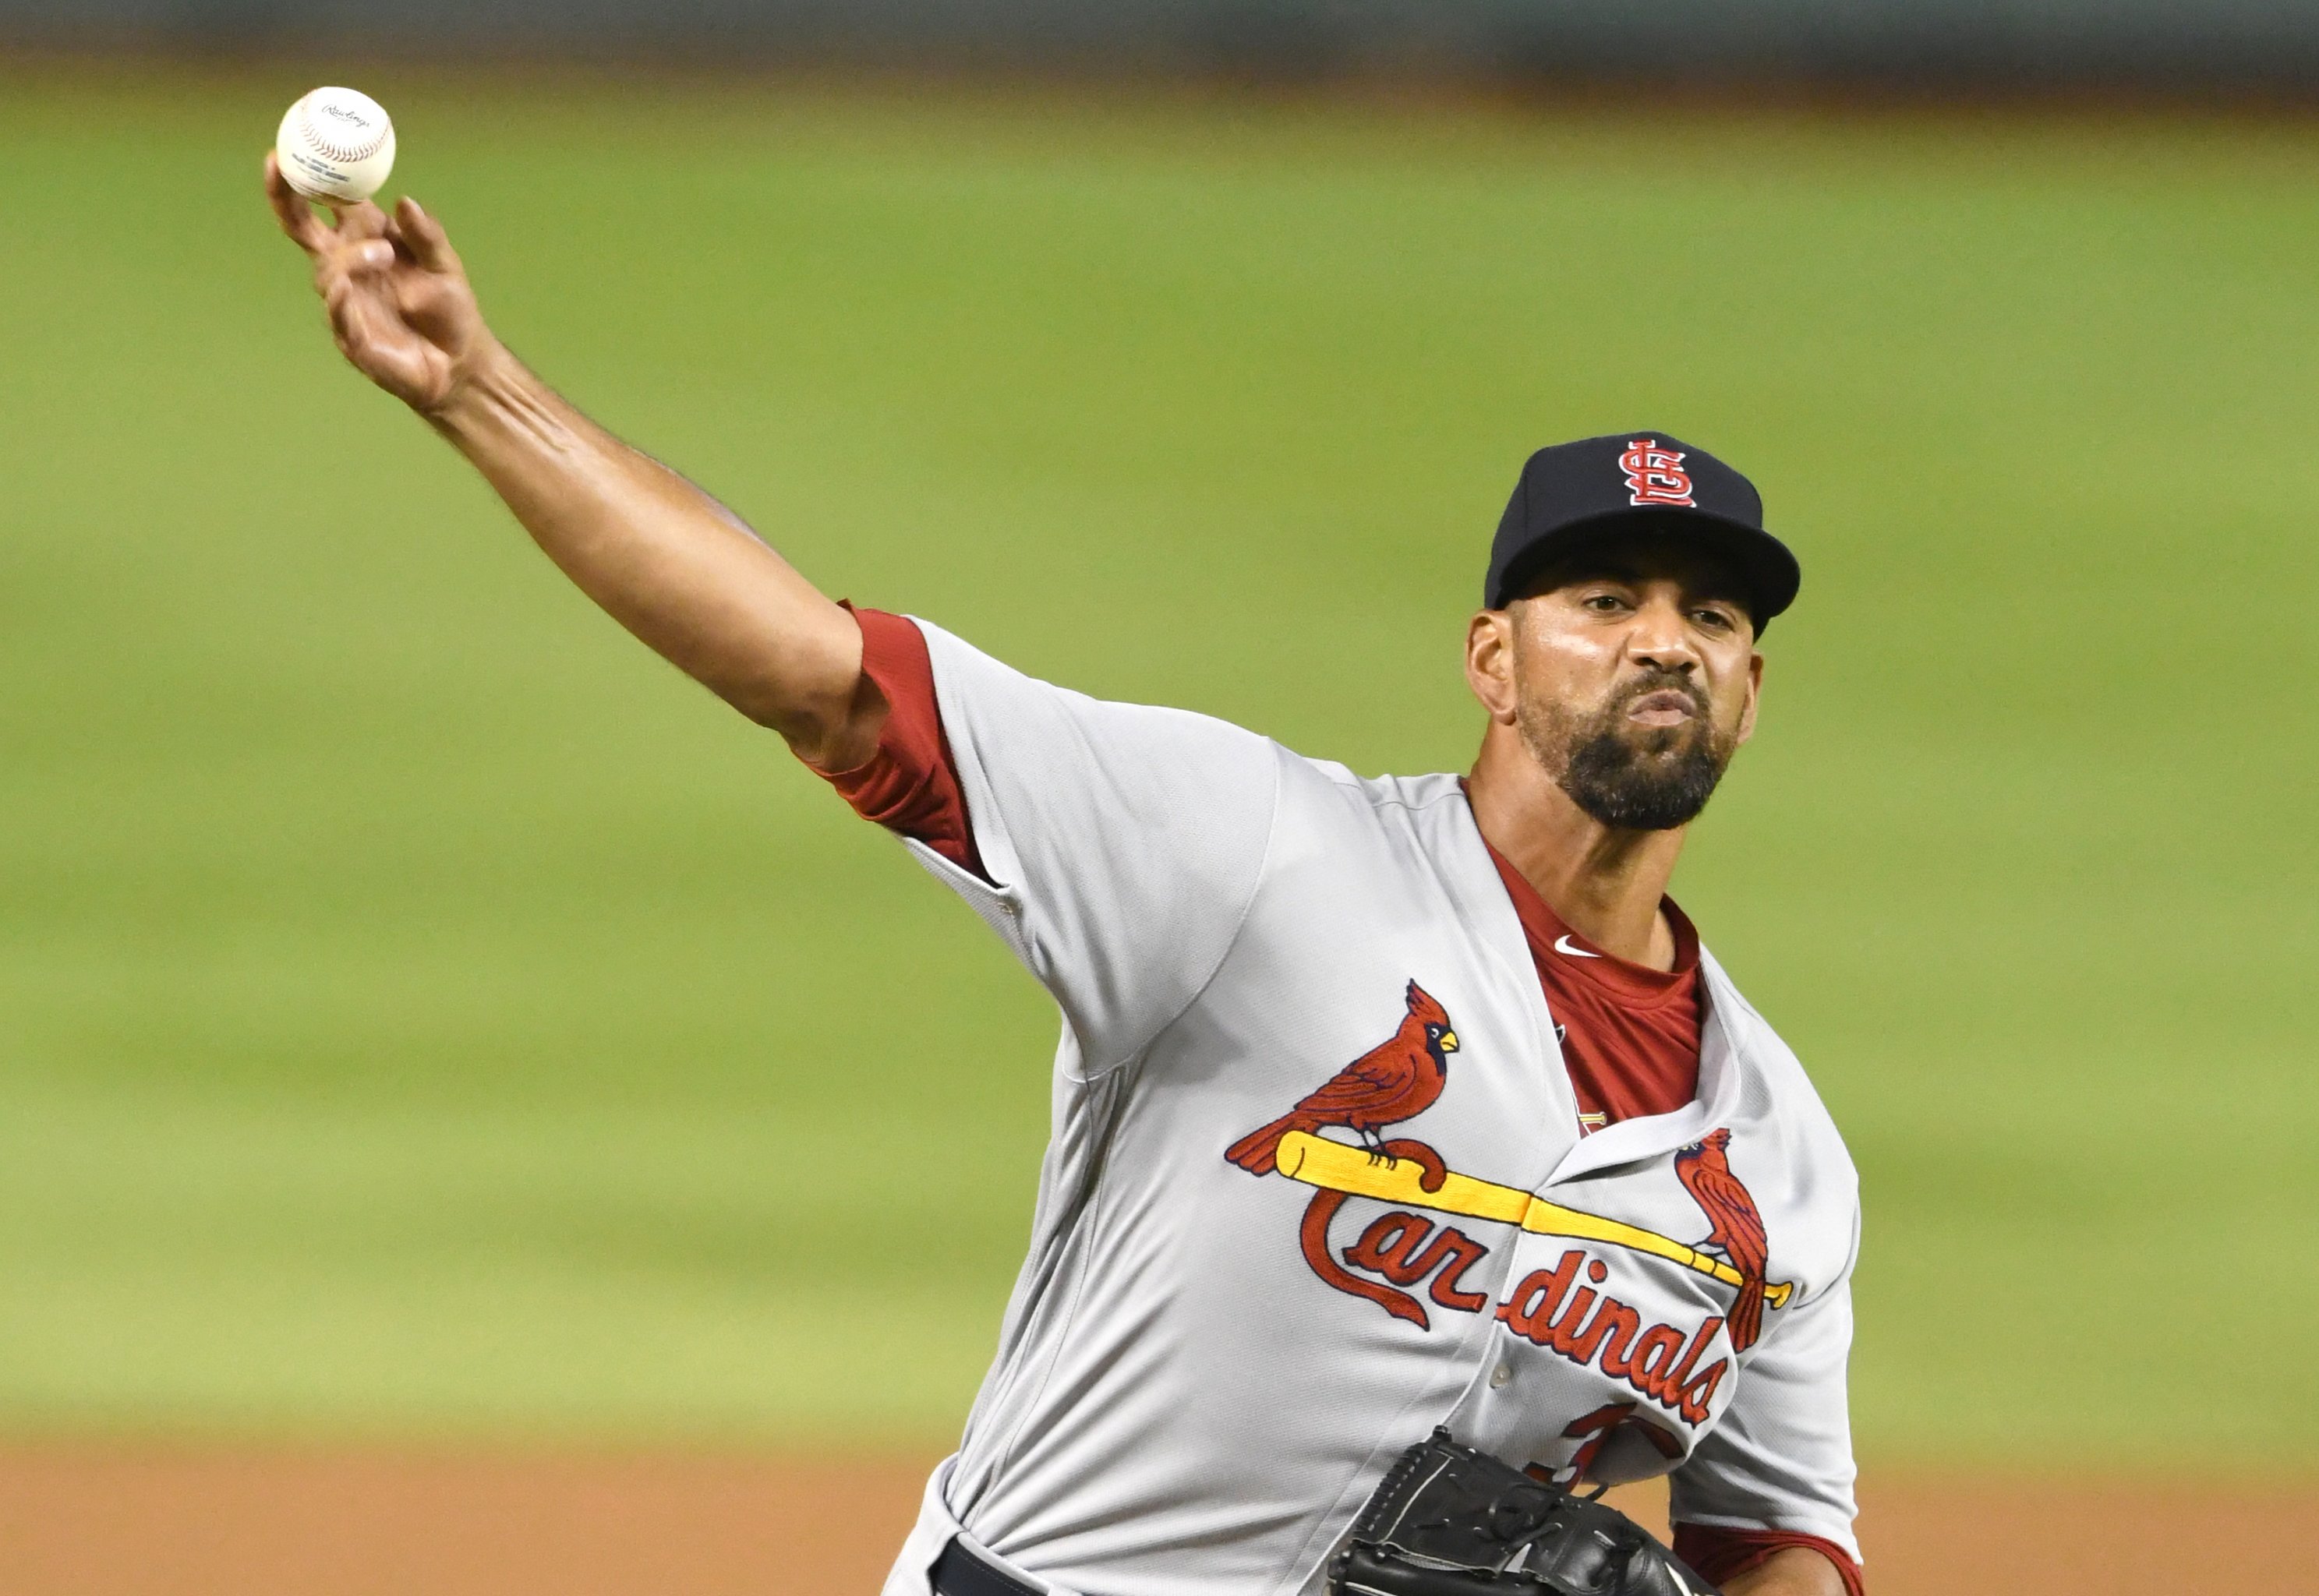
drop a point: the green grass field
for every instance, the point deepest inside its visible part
(423, 1013)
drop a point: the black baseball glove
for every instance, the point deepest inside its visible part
(1452, 1521)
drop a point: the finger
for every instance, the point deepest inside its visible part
(367, 257)
(338, 263)
(424, 236)
(352, 317)
(354, 322)
(359, 219)
(297, 218)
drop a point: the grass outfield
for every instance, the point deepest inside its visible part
(422, 1012)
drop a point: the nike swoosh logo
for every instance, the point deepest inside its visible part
(1561, 946)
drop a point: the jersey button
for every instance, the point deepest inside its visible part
(1500, 1376)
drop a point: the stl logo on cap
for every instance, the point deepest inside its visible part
(1656, 475)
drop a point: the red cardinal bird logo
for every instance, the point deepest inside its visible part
(1705, 1172)
(1395, 1080)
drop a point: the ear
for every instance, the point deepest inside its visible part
(1490, 662)
(1755, 693)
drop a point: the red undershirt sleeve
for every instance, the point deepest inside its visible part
(1719, 1554)
(909, 784)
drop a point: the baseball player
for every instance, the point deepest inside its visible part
(1416, 1170)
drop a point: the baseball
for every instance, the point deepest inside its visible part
(335, 144)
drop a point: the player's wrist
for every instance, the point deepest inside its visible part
(485, 390)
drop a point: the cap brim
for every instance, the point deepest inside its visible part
(1770, 571)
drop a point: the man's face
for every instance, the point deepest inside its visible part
(1630, 672)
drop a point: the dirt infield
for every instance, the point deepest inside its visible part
(97, 1521)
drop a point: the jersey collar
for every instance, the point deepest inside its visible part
(1719, 1075)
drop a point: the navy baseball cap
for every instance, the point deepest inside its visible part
(1575, 493)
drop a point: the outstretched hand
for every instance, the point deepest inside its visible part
(399, 301)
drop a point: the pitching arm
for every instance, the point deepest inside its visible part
(665, 560)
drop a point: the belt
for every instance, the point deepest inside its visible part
(958, 1572)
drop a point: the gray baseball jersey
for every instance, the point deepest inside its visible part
(1316, 1181)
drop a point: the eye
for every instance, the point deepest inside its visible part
(1714, 620)
(1602, 603)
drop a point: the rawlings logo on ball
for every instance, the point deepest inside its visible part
(1656, 475)
(336, 145)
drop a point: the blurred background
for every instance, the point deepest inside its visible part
(427, 1020)
(2231, 46)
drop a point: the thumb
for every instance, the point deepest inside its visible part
(424, 236)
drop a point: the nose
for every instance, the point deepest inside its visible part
(1660, 638)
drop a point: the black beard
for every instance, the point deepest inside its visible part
(1627, 779)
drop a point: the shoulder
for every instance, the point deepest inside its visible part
(1421, 821)
(1773, 1061)
(984, 697)
(1417, 802)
